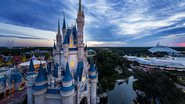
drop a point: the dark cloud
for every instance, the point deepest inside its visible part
(20, 37)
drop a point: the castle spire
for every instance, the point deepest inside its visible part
(58, 25)
(31, 66)
(54, 46)
(64, 27)
(64, 22)
(80, 6)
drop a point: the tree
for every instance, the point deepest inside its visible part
(23, 58)
(158, 85)
(106, 62)
(47, 56)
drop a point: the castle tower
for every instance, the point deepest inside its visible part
(40, 86)
(93, 83)
(80, 25)
(67, 88)
(30, 82)
(59, 39)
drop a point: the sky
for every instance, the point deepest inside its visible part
(113, 23)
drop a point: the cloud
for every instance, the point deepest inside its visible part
(106, 44)
(120, 22)
(23, 34)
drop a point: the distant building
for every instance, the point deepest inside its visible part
(161, 48)
(36, 63)
(165, 63)
(10, 80)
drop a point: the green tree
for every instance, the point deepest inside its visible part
(157, 84)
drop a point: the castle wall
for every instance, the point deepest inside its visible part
(73, 58)
(40, 99)
(53, 101)
(68, 100)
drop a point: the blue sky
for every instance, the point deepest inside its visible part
(107, 23)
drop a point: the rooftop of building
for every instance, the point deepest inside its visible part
(162, 48)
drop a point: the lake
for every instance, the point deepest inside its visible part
(123, 92)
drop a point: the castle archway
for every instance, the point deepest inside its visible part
(84, 101)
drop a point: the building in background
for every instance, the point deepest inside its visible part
(168, 50)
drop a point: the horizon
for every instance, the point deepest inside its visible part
(108, 23)
(91, 47)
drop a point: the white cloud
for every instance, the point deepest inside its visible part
(106, 44)
(45, 37)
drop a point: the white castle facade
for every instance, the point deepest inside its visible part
(70, 78)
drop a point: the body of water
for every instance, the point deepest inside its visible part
(123, 92)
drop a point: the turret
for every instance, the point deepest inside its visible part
(30, 82)
(93, 83)
(80, 25)
(66, 46)
(80, 19)
(59, 37)
(78, 78)
(67, 88)
(64, 26)
(40, 86)
(59, 45)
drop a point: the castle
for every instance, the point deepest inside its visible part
(71, 77)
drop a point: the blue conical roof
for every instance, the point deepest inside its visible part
(75, 34)
(66, 38)
(67, 77)
(31, 66)
(42, 76)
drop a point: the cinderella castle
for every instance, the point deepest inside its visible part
(71, 77)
